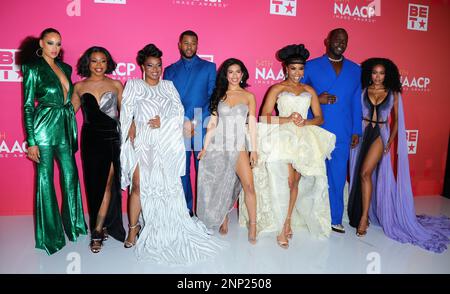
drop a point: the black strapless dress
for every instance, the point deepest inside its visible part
(100, 147)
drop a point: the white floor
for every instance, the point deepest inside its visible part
(341, 253)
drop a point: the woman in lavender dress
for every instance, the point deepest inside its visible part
(376, 193)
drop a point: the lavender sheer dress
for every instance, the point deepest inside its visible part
(392, 203)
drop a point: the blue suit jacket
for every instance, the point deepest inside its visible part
(342, 118)
(195, 86)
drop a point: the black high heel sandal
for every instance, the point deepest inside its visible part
(96, 243)
(105, 234)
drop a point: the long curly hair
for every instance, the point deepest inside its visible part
(392, 79)
(219, 92)
(85, 59)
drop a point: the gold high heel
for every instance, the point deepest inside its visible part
(283, 244)
(290, 233)
(252, 240)
(128, 244)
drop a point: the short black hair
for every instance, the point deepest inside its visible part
(391, 79)
(85, 59)
(150, 50)
(188, 33)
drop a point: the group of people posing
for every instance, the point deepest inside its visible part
(288, 170)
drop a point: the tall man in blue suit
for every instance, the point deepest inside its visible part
(337, 79)
(194, 79)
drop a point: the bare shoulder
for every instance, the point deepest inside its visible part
(277, 88)
(79, 85)
(117, 84)
(308, 88)
(247, 94)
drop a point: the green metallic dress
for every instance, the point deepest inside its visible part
(51, 126)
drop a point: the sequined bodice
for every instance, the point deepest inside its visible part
(231, 128)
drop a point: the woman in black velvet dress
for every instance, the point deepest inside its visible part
(100, 97)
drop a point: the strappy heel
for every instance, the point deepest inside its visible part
(96, 243)
(252, 240)
(360, 232)
(105, 234)
(282, 244)
(128, 244)
(290, 233)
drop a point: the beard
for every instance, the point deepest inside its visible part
(186, 56)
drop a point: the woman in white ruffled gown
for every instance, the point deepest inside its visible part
(152, 164)
(290, 177)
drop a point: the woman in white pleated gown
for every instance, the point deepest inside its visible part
(152, 164)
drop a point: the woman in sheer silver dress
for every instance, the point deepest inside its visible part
(225, 166)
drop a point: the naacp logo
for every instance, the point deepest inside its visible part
(414, 83)
(412, 137)
(11, 148)
(418, 17)
(283, 7)
(345, 10)
(9, 70)
(265, 74)
(125, 71)
(203, 3)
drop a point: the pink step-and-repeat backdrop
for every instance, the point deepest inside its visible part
(412, 33)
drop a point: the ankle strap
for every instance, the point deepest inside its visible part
(134, 226)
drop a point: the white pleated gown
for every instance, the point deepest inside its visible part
(169, 235)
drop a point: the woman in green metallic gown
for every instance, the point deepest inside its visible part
(51, 132)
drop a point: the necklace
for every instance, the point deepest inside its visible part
(335, 60)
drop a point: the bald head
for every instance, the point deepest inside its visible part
(335, 31)
(336, 43)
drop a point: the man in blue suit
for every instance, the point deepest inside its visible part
(195, 80)
(337, 79)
